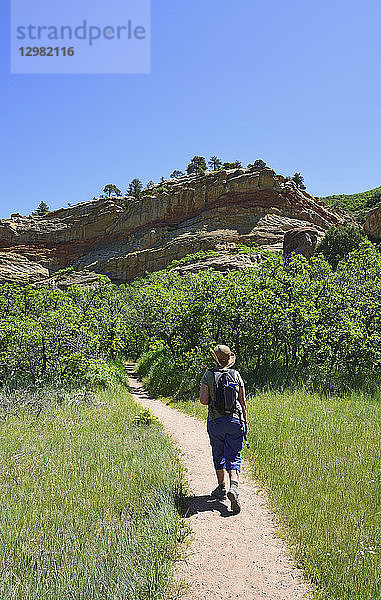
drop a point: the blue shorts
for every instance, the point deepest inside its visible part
(226, 439)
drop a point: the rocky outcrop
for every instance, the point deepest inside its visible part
(372, 225)
(62, 281)
(124, 238)
(15, 268)
(224, 262)
(301, 240)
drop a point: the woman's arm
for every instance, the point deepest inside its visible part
(204, 394)
(242, 401)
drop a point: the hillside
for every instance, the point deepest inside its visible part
(357, 205)
(123, 238)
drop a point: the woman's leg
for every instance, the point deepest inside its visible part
(232, 453)
(216, 436)
(220, 476)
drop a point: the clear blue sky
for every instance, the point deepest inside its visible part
(296, 83)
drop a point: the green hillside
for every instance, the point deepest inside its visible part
(356, 204)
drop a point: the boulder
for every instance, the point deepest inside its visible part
(301, 240)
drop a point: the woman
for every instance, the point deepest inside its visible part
(226, 431)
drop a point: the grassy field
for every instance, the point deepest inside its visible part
(319, 461)
(88, 505)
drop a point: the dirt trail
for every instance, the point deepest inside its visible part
(231, 556)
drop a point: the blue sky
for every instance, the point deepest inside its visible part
(296, 83)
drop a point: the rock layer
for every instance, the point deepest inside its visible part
(372, 226)
(124, 238)
(15, 268)
(224, 262)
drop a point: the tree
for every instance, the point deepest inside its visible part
(258, 164)
(135, 188)
(298, 179)
(176, 173)
(233, 165)
(150, 185)
(215, 163)
(338, 242)
(42, 210)
(197, 166)
(111, 190)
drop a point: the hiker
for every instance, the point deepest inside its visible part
(223, 391)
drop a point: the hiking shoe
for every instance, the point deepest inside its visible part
(233, 497)
(219, 493)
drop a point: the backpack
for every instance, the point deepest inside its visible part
(225, 391)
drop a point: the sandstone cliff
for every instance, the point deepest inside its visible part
(123, 238)
(372, 225)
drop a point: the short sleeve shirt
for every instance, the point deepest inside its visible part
(208, 379)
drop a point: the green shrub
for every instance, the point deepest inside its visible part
(338, 242)
(145, 417)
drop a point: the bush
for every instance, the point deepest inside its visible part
(338, 242)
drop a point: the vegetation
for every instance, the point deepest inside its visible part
(318, 459)
(298, 179)
(215, 163)
(135, 189)
(232, 165)
(258, 164)
(339, 241)
(89, 502)
(317, 454)
(190, 258)
(357, 205)
(41, 210)
(197, 166)
(52, 337)
(304, 324)
(308, 341)
(111, 190)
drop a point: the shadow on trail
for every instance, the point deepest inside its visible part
(198, 504)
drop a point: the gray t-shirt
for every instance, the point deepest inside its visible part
(208, 379)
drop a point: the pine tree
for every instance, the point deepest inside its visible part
(176, 173)
(111, 190)
(197, 166)
(215, 163)
(233, 165)
(135, 188)
(259, 164)
(298, 179)
(42, 210)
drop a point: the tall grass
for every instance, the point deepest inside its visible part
(88, 506)
(318, 459)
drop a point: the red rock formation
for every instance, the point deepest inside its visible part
(124, 238)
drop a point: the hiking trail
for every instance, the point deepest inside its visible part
(230, 556)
